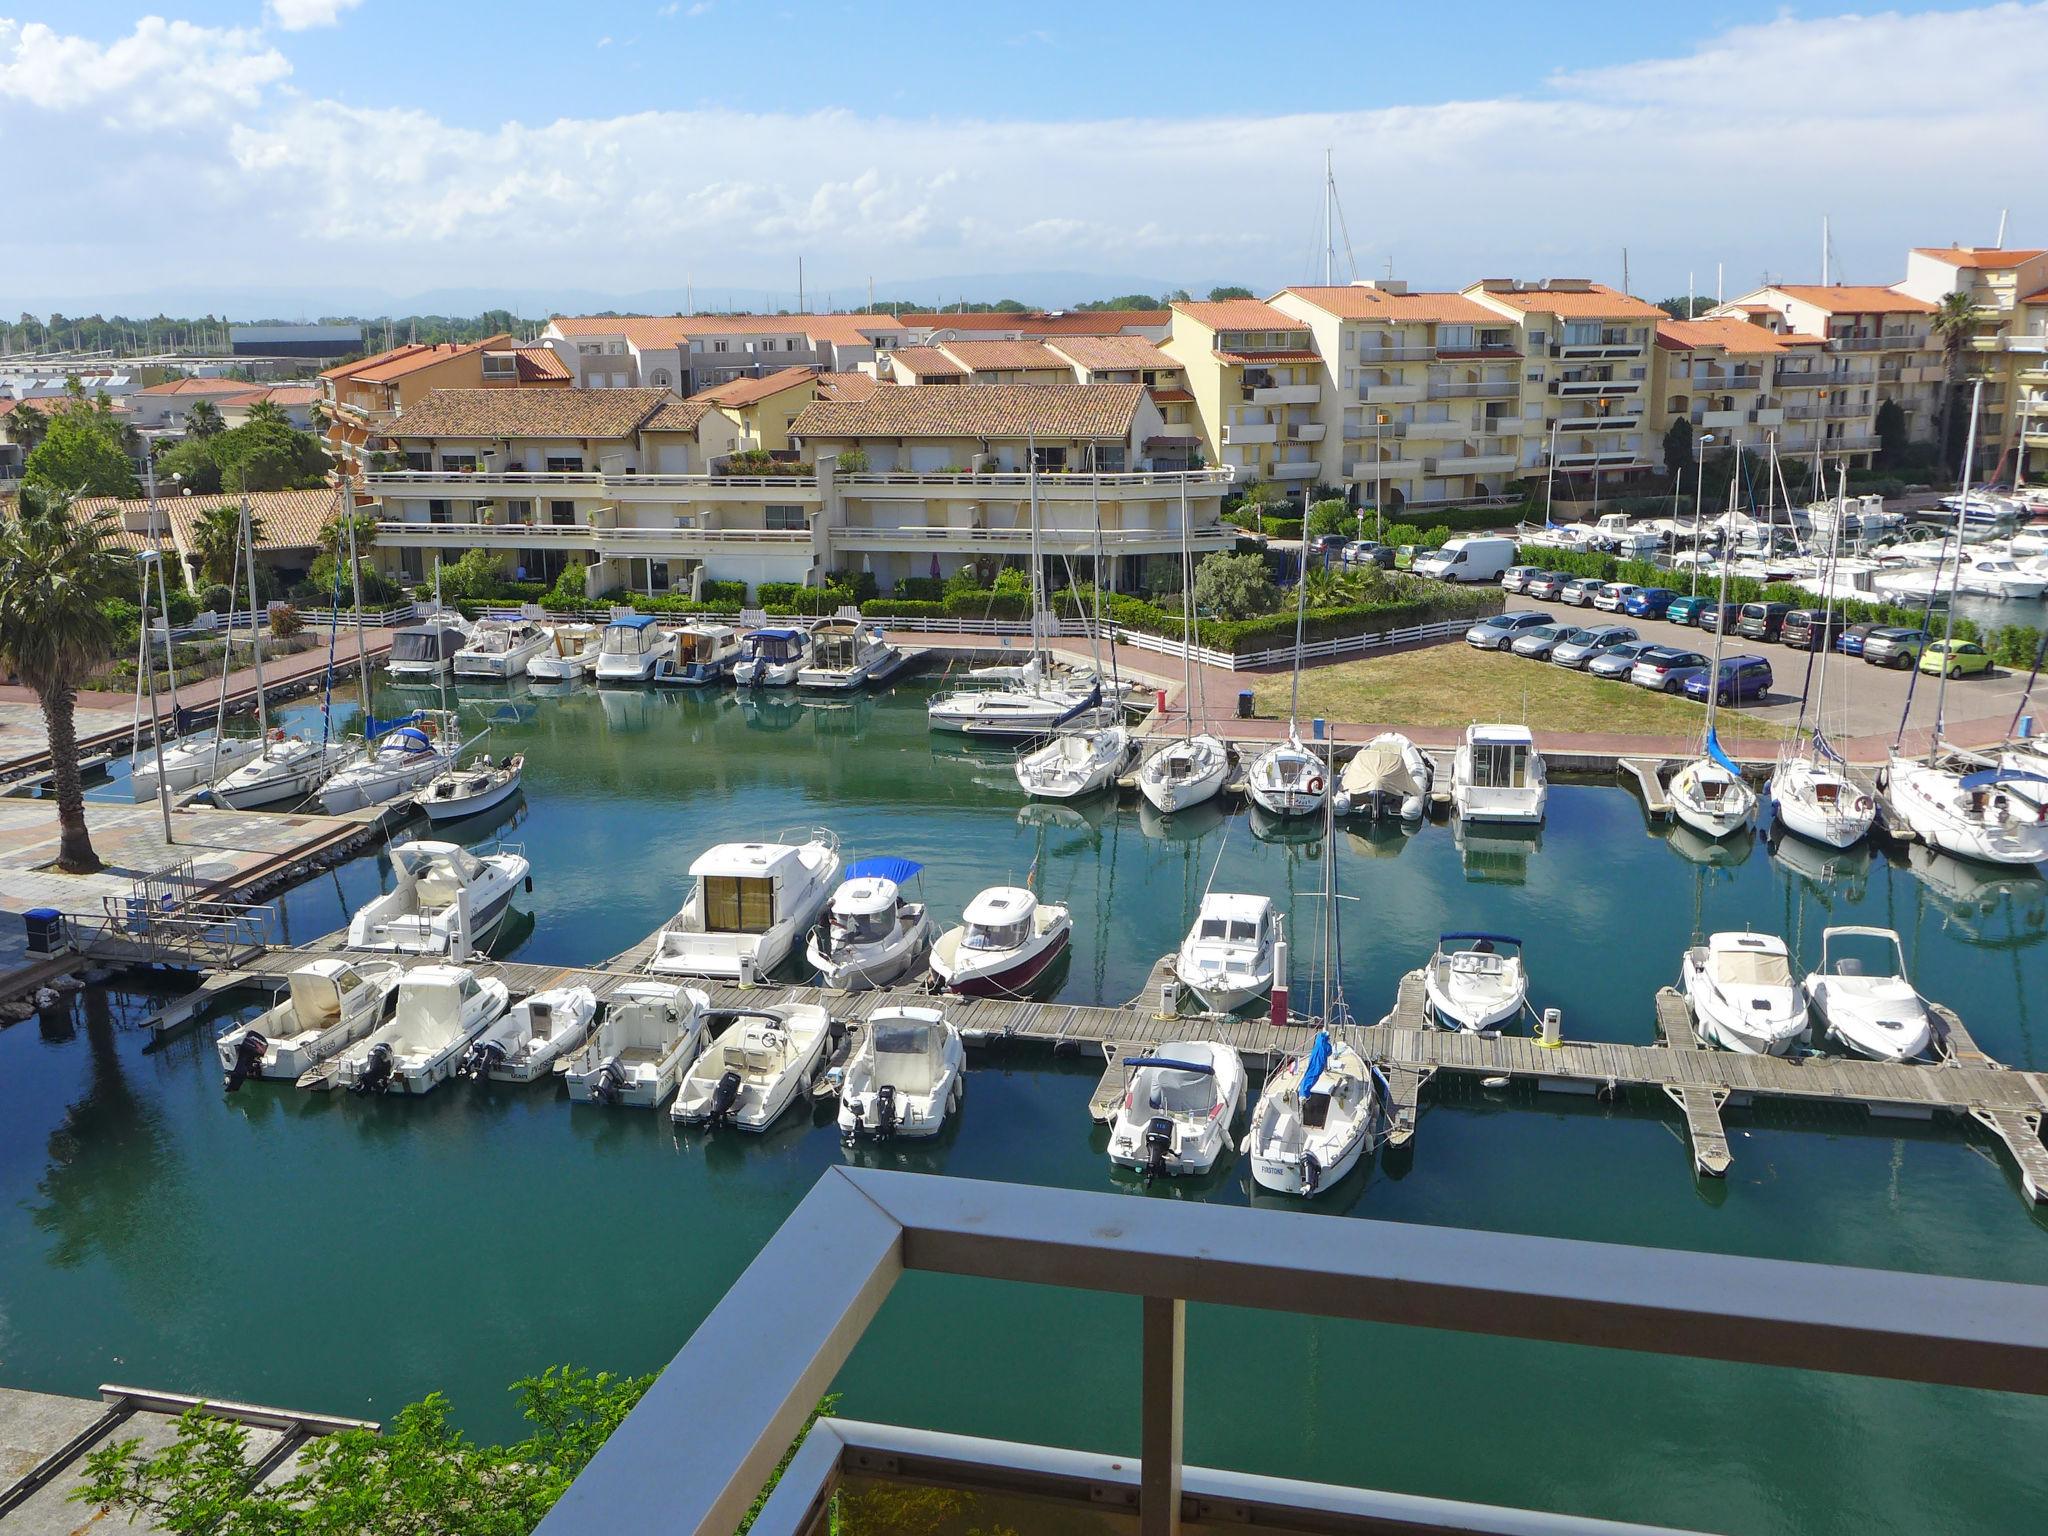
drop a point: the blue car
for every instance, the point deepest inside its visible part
(1650, 603)
(1850, 641)
(1741, 677)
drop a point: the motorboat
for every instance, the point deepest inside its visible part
(328, 1004)
(908, 1073)
(761, 1061)
(704, 654)
(1989, 575)
(570, 654)
(287, 769)
(501, 648)
(1710, 795)
(1743, 994)
(1874, 1012)
(750, 905)
(440, 1009)
(189, 763)
(1314, 1118)
(1966, 805)
(1498, 775)
(1075, 763)
(631, 648)
(1229, 956)
(1388, 776)
(771, 658)
(447, 900)
(651, 1031)
(427, 650)
(532, 1036)
(406, 755)
(1177, 1109)
(1035, 708)
(1184, 773)
(1006, 939)
(872, 935)
(845, 655)
(482, 786)
(1475, 981)
(1288, 779)
(1814, 797)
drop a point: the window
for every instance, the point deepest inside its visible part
(459, 463)
(738, 904)
(519, 511)
(1580, 333)
(1049, 460)
(440, 512)
(1455, 338)
(565, 463)
(562, 513)
(787, 519)
(718, 346)
(500, 365)
(659, 378)
(419, 461)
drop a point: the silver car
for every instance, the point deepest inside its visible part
(1538, 642)
(1579, 647)
(1619, 661)
(1494, 634)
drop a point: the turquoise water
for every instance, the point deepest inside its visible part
(350, 1255)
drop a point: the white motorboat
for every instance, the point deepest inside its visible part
(532, 1036)
(750, 905)
(441, 1008)
(1187, 772)
(1498, 775)
(330, 1003)
(872, 935)
(1743, 994)
(650, 1032)
(447, 900)
(1178, 1108)
(1963, 804)
(427, 650)
(570, 654)
(1020, 710)
(1006, 939)
(1388, 776)
(191, 762)
(1229, 956)
(771, 658)
(1314, 1119)
(704, 654)
(1710, 795)
(631, 648)
(470, 791)
(1476, 981)
(908, 1073)
(289, 768)
(501, 648)
(404, 757)
(1075, 763)
(845, 653)
(1999, 576)
(761, 1062)
(1865, 999)
(1288, 779)
(1815, 797)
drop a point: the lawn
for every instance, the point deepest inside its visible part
(1454, 685)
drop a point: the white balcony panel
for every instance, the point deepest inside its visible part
(1264, 432)
(1297, 470)
(1287, 394)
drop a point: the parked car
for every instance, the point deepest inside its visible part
(1850, 641)
(1811, 629)
(1544, 586)
(1762, 621)
(1649, 602)
(1494, 634)
(1516, 577)
(1891, 646)
(1539, 642)
(1719, 617)
(1665, 668)
(1620, 661)
(1958, 658)
(1582, 645)
(1369, 552)
(1579, 591)
(1738, 678)
(1328, 545)
(1613, 596)
(1685, 610)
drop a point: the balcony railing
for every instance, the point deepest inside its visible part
(1626, 421)
(517, 533)
(1484, 389)
(1256, 432)
(1468, 464)
(1305, 432)
(1390, 394)
(1410, 354)
(1296, 469)
(1584, 389)
(1051, 537)
(1605, 348)
(1356, 430)
(487, 482)
(1287, 394)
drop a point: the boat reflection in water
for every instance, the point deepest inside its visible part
(631, 709)
(1190, 825)
(770, 709)
(1993, 906)
(1696, 847)
(1386, 839)
(1286, 831)
(1832, 874)
(1494, 852)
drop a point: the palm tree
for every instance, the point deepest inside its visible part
(1955, 321)
(202, 419)
(215, 533)
(57, 569)
(26, 425)
(265, 412)
(334, 534)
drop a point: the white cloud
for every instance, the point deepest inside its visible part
(299, 15)
(163, 71)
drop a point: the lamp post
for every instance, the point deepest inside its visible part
(1699, 501)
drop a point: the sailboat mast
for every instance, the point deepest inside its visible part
(355, 578)
(1187, 620)
(255, 625)
(1955, 575)
(1031, 480)
(1720, 612)
(1329, 246)
(1300, 615)
(1827, 609)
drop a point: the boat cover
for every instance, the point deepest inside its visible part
(1714, 751)
(1318, 1058)
(1380, 766)
(884, 867)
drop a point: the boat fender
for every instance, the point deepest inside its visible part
(1315, 784)
(248, 1057)
(723, 1097)
(529, 885)
(375, 1076)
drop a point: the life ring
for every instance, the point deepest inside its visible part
(1315, 785)
(277, 733)
(1865, 803)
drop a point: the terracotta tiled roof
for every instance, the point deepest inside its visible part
(851, 330)
(1053, 411)
(538, 365)
(1354, 302)
(847, 386)
(1592, 301)
(928, 363)
(49, 405)
(1173, 396)
(1097, 322)
(205, 388)
(383, 367)
(288, 395)
(677, 416)
(1239, 315)
(1735, 336)
(738, 392)
(672, 330)
(1101, 353)
(530, 413)
(291, 520)
(2036, 298)
(1977, 258)
(1855, 299)
(1002, 356)
(968, 320)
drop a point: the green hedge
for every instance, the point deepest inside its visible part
(922, 589)
(902, 608)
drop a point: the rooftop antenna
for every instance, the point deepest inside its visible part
(1690, 285)
(1823, 250)
(799, 285)
(1718, 300)
(1329, 234)
(1624, 289)
(871, 293)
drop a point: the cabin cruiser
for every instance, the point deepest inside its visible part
(571, 653)
(771, 658)
(871, 936)
(908, 1073)
(1815, 797)
(1005, 941)
(1965, 805)
(288, 768)
(482, 786)
(847, 654)
(1184, 773)
(704, 655)
(330, 1003)
(1229, 956)
(526, 1043)
(1498, 775)
(631, 648)
(427, 650)
(1875, 1013)
(440, 1009)
(1388, 776)
(188, 763)
(762, 1060)
(1177, 1108)
(1314, 1119)
(447, 900)
(1476, 981)
(751, 903)
(501, 648)
(650, 1032)
(1288, 779)
(1710, 795)
(1743, 994)
(405, 756)
(1075, 763)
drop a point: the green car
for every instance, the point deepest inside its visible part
(1958, 658)
(1687, 610)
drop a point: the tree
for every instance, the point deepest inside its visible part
(1678, 449)
(26, 423)
(1955, 318)
(58, 568)
(1234, 586)
(334, 532)
(192, 464)
(1330, 516)
(269, 456)
(1686, 309)
(267, 413)
(202, 420)
(215, 532)
(1891, 434)
(474, 577)
(81, 453)
(1230, 291)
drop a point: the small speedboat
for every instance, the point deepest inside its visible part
(1288, 779)
(871, 935)
(1006, 940)
(845, 654)
(771, 658)
(1035, 703)
(501, 648)
(1177, 1109)
(704, 654)
(1184, 773)
(1314, 1118)
(471, 791)
(650, 1032)
(1874, 1012)
(446, 900)
(331, 1003)
(908, 1073)
(761, 1062)
(1075, 763)
(531, 1037)
(1475, 981)
(427, 650)
(1743, 994)
(191, 762)
(441, 1008)
(570, 654)
(1388, 776)
(1228, 957)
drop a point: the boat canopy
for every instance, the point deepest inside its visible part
(632, 621)
(775, 634)
(884, 867)
(1171, 1063)
(374, 727)
(1985, 778)
(1380, 765)
(868, 896)
(1488, 938)
(1318, 1058)
(1714, 751)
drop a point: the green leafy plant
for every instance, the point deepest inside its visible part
(1234, 587)
(286, 621)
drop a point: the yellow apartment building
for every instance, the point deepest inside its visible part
(1257, 383)
(2005, 348)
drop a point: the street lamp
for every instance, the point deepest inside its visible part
(1699, 501)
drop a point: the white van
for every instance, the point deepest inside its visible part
(1477, 557)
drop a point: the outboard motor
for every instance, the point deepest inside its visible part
(1311, 1173)
(723, 1098)
(376, 1074)
(609, 1083)
(480, 1060)
(248, 1059)
(1158, 1146)
(885, 1110)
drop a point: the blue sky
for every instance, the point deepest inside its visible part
(352, 148)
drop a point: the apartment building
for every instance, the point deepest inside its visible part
(2005, 349)
(691, 353)
(360, 400)
(761, 409)
(1020, 325)
(1009, 362)
(163, 409)
(924, 365)
(1135, 360)
(1257, 383)
(1720, 376)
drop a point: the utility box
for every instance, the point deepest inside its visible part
(1244, 703)
(45, 927)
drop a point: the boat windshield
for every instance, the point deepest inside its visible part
(1231, 930)
(316, 999)
(995, 935)
(624, 640)
(1180, 1093)
(1500, 765)
(419, 645)
(771, 647)
(861, 927)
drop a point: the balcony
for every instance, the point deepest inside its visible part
(1390, 394)
(1383, 469)
(1296, 469)
(1596, 351)
(1305, 432)
(1774, 416)
(2027, 341)
(1506, 352)
(1372, 357)
(1720, 383)
(1600, 458)
(1507, 426)
(1589, 389)
(1484, 389)
(1051, 537)
(1364, 431)
(1469, 464)
(1849, 442)
(1624, 421)
(1287, 394)
(1261, 432)
(1719, 418)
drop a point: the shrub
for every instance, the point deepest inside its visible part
(903, 607)
(570, 584)
(923, 589)
(218, 598)
(976, 604)
(1234, 587)
(853, 461)
(1331, 517)
(476, 576)
(733, 592)
(787, 598)
(1011, 582)
(2015, 645)
(861, 584)
(285, 621)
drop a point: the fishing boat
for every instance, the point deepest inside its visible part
(534, 1033)
(447, 900)
(1006, 939)
(188, 763)
(761, 1062)
(651, 1031)
(704, 654)
(1476, 981)
(1314, 1118)
(483, 785)
(427, 650)
(1498, 775)
(1177, 1109)
(771, 658)
(1192, 770)
(406, 754)
(1743, 994)
(1387, 777)
(1075, 763)
(631, 648)
(871, 935)
(846, 655)
(288, 768)
(908, 1073)
(500, 649)
(329, 1003)
(570, 654)
(1709, 794)
(440, 1009)
(1865, 1000)
(1230, 954)
(749, 906)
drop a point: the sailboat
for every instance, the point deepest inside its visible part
(1289, 779)
(1082, 758)
(1191, 770)
(1709, 793)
